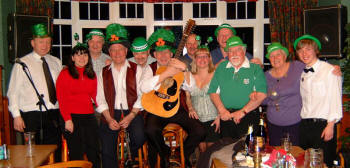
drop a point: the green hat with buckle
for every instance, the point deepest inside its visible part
(275, 46)
(233, 42)
(117, 34)
(94, 32)
(225, 25)
(40, 31)
(310, 37)
(162, 39)
(139, 45)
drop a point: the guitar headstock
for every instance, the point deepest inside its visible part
(190, 25)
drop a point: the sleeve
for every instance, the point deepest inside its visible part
(335, 95)
(188, 84)
(150, 84)
(94, 92)
(260, 80)
(63, 94)
(214, 84)
(100, 97)
(14, 89)
(146, 74)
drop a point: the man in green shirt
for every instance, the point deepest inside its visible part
(234, 80)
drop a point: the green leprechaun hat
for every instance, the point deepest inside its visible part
(139, 45)
(117, 34)
(40, 31)
(233, 42)
(162, 39)
(224, 25)
(94, 32)
(275, 46)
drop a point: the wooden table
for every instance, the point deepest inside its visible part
(296, 151)
(18, 158)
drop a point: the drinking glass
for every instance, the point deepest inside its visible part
(29, 140)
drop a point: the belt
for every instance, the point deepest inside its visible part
(315, 120)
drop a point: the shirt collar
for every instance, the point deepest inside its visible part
(315, 65)
(37, 56)
(245, 64)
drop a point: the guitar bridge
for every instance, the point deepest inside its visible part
(161, 95)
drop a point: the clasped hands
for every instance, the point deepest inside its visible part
(235, 116)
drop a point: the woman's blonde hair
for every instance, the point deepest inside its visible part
(194, 65)
(307, 42)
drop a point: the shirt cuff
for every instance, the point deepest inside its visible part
(15, 113)
(101, 108)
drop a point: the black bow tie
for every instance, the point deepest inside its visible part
(309, 70)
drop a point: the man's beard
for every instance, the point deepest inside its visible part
(234, 60)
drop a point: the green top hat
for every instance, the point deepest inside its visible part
(40, 31)
(117, 34)
(225, 25)
(139, 45)
(233, 42)
(307, 36)
(162, 39)
(275, 46)
(94, 32)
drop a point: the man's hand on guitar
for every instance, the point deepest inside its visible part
(177, 64)
(113, 124)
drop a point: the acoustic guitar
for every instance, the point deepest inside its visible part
(165, 101)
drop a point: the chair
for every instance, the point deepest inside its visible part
(143, 163)
(76, 163)
(174, 136)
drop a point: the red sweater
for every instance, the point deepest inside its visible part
(75, 96)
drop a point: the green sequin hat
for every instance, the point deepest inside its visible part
(225, 25)
(40, 31)
(307, 36)
(94, 32)
(139, 45)
(162, 39)
(275, 46)
(117, 34)
(233, 42)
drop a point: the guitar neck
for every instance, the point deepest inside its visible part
(181, 46)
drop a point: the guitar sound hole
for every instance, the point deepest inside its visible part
(170, 105)
(172, 90)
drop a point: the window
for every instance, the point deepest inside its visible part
(62, 42)
(267, 42)
(168, 11)
(242, 9)
(266, 9)
(62, 9)
(95, 10)
(131, 10)
(204, 10)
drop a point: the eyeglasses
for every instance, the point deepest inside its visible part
(202, 57)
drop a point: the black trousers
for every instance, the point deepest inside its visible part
(230, 129)
(84, 139)
(154, 127)
(310, 137)
(109, 139)
(49, 120)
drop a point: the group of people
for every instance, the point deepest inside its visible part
(216, 97)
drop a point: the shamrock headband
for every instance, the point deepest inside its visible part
(76, 38)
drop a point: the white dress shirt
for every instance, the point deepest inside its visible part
(20, 92)
(119, 79)
(321, 93)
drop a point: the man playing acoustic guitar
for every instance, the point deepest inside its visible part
(162, 41)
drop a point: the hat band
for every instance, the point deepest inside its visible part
(140, 47)
(273, 48)
(96, 33)
(233, 43)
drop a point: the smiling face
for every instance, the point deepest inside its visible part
(118, 53)
(278, 58)
(141, 57)
(80, 59)
(163, 57)
(41, 46)
(191, 45)
(236, 55)
(95, 44)
(202, 60)
(223, 35)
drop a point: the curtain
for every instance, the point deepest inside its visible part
(286, 20)
(35, 7)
